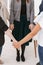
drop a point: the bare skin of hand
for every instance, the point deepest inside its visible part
(31, 26)
(11, 26)
(16, 45)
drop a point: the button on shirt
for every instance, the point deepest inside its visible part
(39, 20)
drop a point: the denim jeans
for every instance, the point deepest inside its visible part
(0, 50)
(40, 51)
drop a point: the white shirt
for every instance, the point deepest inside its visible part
(8, 5)
(39, 20)
(3, 11)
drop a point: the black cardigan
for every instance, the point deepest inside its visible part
(3, 27)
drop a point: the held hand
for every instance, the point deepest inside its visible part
(11, 26)
(16, 45)
(31, 26)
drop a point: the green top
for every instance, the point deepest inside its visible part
(23, 7)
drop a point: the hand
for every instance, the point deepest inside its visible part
(16, 44)
(11, 26)
(31, 26)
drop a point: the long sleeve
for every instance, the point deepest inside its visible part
(12, 12)
(6, 13)
(32, 11)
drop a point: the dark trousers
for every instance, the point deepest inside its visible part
(40, 51)
(22, 49)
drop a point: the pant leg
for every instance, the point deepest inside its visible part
(23, 49)
(40, 51)
(0, 50)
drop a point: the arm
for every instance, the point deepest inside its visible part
(11, 18)
(32, 11)
(32, 25)
(28, 36)
(8, 32)
(6, 13)
(5, 29)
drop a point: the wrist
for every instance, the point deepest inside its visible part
(20, 43)
(34, 23)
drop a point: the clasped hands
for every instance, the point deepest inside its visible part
(17, 44)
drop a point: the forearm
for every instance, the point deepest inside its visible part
(9, 33)
(30, 35)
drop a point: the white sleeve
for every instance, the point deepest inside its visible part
(39, 20)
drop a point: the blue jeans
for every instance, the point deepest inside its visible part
(40, 51)
(0, 50)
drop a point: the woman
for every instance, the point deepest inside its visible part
(38, 28)
(3, 27)
(21, 15)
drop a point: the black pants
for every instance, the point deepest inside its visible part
(22, 49)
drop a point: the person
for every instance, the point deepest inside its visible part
(38, 28)
(41, 9)
(21, 14)
(3, 27)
